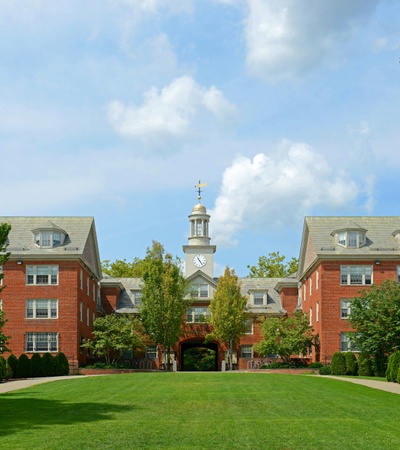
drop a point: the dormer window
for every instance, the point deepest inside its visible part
(48, 238)
(350, 235)
(351, 239)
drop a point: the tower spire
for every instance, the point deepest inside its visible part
(198, 187)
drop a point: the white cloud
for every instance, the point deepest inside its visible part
(287, 38)
(169, 111)
(274, 191)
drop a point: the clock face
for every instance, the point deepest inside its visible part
(199, 261)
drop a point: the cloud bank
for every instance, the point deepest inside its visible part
(273, 191)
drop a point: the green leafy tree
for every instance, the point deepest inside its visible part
(121, 268)
(285, 336)
(273, 266)
(229, 316)
(364, 363)
(375, 315)
(4, 257)
(113, 335)
(163, 299)
(351, 363)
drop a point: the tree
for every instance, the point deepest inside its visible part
(375, 315)
(273, 266)
(121, 268)
(4, 257)
(229, 315)
(113, 335)
(163, 299)
(285, 336)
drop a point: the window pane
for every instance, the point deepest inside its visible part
(258, 298)
(203, 290)
(46, 239)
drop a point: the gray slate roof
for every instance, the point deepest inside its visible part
(318, 237)
(81, 240)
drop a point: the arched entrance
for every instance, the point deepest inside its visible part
(197, 355)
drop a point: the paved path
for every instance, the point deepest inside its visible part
(382, 385)
(14, 385)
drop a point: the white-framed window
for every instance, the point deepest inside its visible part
(310, 286)
(137, 298)
(94, 292)
(345, 305)
(358, 275)
(304, 292)
(1, 304)
(87, 316)
(171, 357)
(81, 311)
(198, 314)
(87, 286)
(311, 317)
(42, 309)
(199, 290)
(351, 239)
(49, 239)
(81, 279)
(42, 275)
(258, 298)
(246, 351)
(151, 352)
(249, 325)
(398, 274)
(345, 344)
(317, 280)
(41, 342)
(317, 311)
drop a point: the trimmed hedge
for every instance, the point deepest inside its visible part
(12, 362)
(35, 366)
(351, 363)
(393, 366)
(338, 364)
(325, 370)
(365, 368)
(48, 365)
(61, 364)
(22, 367)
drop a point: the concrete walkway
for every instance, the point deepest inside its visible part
(394, 388)
(14, 385)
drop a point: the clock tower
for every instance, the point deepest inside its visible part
(199, 253)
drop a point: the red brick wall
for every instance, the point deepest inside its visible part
(109, 297)
(69, 295)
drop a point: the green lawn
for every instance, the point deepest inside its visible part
(200, 410)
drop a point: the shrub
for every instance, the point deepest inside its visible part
(325, 370)
(351, 363)
(315, 365)
(365, 365)
(48, 365)
(338, 364)
(379, 364)
(61, 364)
(12, 362)
(393, 366)
(2, 368)
(22, 367)
(35, 366)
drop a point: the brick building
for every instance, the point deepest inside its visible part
(339, 256)
(51, 292)
(55, 289)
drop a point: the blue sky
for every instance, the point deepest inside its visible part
(115, 109)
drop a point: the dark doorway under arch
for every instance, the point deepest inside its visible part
(199, 356)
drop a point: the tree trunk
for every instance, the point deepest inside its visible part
(230, 353)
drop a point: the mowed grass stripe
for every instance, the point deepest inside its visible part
(199, 410)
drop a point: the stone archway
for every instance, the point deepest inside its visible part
(197, 344)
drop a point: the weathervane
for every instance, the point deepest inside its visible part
(199, 186)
